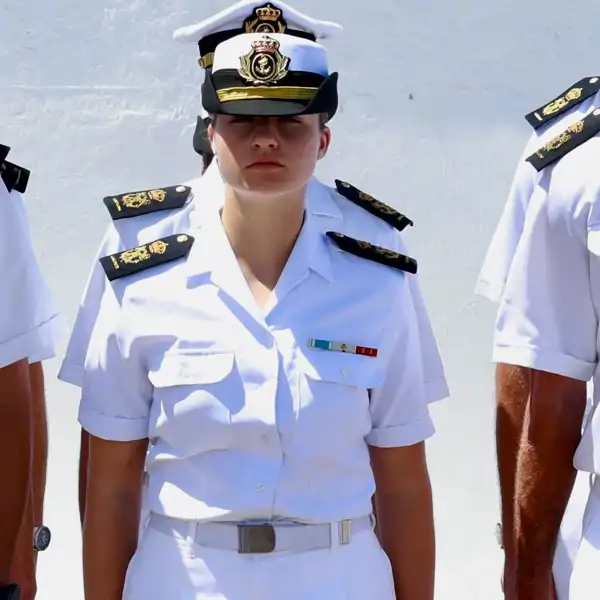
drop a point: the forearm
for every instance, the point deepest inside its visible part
(545, 476)
(83, 470)
(15, 442)
(112, 515)
(406, 533)
(40, 445)
(512, 395)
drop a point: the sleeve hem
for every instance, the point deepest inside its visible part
(37, 344)
(552, 362)
(402, 435)
(72, 373)
(436, 390)
(117, 429)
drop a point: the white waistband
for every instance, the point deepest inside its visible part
(285, 536)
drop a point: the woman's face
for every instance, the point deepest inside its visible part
(268, 156)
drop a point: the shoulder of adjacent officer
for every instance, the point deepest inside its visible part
(142, 203)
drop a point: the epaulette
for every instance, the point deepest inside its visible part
(575, 95)
(375, 207)
(143, 202)
(4, 150)
(158, 252)
(572, 137)
(14, 176)
(375, 253)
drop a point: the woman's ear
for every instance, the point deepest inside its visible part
(324, 142)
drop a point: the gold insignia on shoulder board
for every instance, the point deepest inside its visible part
(264, 64)
(562, 102)
(561, 139)
(265, 19)
(138, 199)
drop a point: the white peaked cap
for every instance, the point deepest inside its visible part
(240, 16)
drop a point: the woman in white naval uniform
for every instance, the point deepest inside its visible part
(273, 364)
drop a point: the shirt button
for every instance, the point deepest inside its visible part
(259, 487)
(344, 372)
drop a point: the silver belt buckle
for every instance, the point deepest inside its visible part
(256, 538)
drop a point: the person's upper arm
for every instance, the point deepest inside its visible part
(547, 319)
(72, 367)
(399, 408)
(29, 321)
(436, 386)
(116, 393)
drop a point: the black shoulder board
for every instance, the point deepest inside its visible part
(576, 94)
(375, 207)
(572, 137)
(374, 253)
(143, 202)
(144, 257)
(4, 150)
(14, 176)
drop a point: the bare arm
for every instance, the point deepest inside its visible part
(405, 512)
(545, 476)
(112, 515)
(15, 442)
(512, 395)
(25, 558)
(83, 472)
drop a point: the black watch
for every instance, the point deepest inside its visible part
(41, 539)
(10, 592)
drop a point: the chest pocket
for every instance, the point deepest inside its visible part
(194, 395)
(334, 396)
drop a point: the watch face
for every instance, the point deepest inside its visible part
(41, 538)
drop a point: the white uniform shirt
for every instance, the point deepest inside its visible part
(132, 232)
(502, 249)
(29, 321)
(246, 419)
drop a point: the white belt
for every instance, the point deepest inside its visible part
(261, 537)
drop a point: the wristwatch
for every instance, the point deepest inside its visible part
(10, 592)
(41, 538)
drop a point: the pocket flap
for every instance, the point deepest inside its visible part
(346, 369)
(189, 369)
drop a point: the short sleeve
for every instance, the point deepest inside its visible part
(399, 408)
(116, 393)
(30, 324)
(547, 319)
(501, 251)
(436, 386)
(72, 367)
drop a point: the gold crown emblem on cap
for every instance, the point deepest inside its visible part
(264, 64)
(265, 19)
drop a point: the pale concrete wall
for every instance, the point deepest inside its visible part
(96, 98)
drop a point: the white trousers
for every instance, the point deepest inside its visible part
(168, 567)
(585, 579)
(570, 536)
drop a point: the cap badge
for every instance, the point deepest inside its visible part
(265, 19)
(264, 64)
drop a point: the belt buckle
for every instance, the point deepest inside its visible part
(256, 538)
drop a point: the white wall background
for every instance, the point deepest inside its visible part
(96, 99)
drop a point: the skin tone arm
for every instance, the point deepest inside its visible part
(112, 515)
(543, 472)
(15, 441)
(404, 507)
(25, 559)
(83, 472)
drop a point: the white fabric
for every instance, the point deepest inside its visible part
(128, 233)
(29, 321)
(502, 249)
(234, 16)
(173, 567)
(304, 55)
(233, 400)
